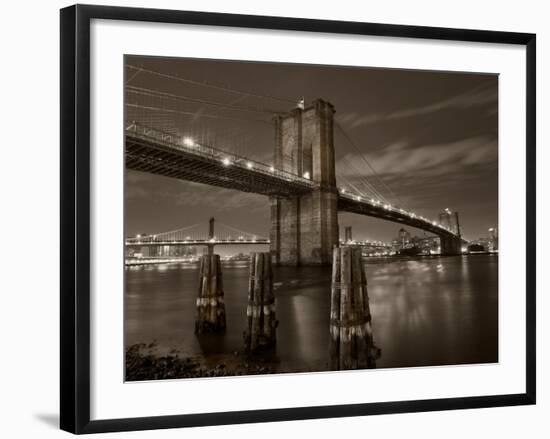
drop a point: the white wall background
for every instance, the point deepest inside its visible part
(29, 206)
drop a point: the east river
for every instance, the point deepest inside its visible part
(426, 311)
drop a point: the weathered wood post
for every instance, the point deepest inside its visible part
(210, 315)
(260, 312)
(351, 341)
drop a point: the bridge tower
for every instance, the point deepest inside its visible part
(450, 245)
(347, 234)
(304, 228)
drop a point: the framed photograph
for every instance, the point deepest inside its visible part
(268, 218)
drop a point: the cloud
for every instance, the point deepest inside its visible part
(471, 98)
(427, 160)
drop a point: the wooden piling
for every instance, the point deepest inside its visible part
(335, 312)
(260, 311)
(210, 316)
(351, 342)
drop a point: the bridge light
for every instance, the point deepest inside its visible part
(372, 200)
(249, 165)
(306, 175)
(272, 169)
(343, 190)
(226, 161)
(188, 141)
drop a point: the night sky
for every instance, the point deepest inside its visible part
(431, 137)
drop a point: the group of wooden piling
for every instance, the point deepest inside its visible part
(351, 340)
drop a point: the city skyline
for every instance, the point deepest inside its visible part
(430, 136)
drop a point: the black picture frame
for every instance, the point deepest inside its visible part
(75, 217)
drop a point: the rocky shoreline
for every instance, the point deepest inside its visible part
(144, 365)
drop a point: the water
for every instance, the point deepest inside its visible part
(426, 311)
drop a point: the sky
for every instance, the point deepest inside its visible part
(430, 137)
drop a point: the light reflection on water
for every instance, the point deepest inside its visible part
(426, 311)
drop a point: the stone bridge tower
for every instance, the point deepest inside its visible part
(304, 228)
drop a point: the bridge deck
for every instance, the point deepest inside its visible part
(209, 166)
(348, 203)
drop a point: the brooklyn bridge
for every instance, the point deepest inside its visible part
(305, 191)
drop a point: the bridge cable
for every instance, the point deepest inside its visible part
(194, 114)
(237, 230)
(156, 93)
(209, 85)
(366, 161)
(370, 188)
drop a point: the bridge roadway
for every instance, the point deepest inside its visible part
(158, 153)
(152, 151)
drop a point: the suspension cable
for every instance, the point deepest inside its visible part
(208, 85)
(160, 94)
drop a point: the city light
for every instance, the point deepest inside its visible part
(249, 165)
(272, 169)
(188, 141)
(306, 175)
(226, 161)
(358, 198)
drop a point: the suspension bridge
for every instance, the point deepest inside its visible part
(199, 235)
(163, 136)
(208, 234)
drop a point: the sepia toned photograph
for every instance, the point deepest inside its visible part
(297, 218)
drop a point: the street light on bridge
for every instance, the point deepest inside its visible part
(188, 141)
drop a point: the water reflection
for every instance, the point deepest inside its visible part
(426, 311)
